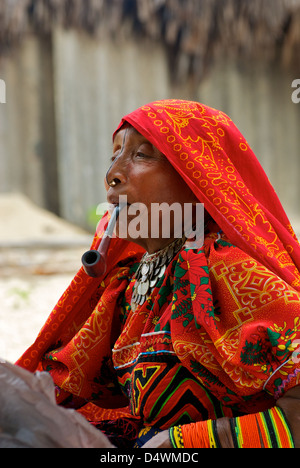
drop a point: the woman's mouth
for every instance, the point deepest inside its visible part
(120, 201)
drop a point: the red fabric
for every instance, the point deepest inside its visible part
(224, 317)
(210, 153)
(78, 302)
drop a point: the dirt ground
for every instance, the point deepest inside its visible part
(39, 255)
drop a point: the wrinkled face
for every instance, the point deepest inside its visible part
(143, 174)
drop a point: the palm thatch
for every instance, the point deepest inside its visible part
(195, 30)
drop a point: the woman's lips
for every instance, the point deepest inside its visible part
(119, 201)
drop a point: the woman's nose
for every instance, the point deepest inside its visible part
(116, 174)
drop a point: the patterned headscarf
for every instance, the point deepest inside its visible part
(215, 160)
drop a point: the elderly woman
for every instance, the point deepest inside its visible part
(180, 344)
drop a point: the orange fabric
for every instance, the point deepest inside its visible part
(216, 337)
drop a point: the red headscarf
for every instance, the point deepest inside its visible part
(215, 160)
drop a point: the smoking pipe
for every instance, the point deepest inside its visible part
(94, 261)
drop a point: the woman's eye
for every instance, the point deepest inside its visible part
(114, 156)
(142, 155)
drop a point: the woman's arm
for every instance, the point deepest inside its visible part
(289, 404)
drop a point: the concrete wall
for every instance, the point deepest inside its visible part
(27, 127)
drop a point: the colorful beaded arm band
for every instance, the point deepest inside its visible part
(268, 429)
(201, 434)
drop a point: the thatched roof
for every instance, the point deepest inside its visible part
(194, 29)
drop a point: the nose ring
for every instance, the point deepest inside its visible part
(112, 183)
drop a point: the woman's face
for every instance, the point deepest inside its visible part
(144, 175)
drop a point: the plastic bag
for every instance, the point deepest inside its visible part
(30, 417)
